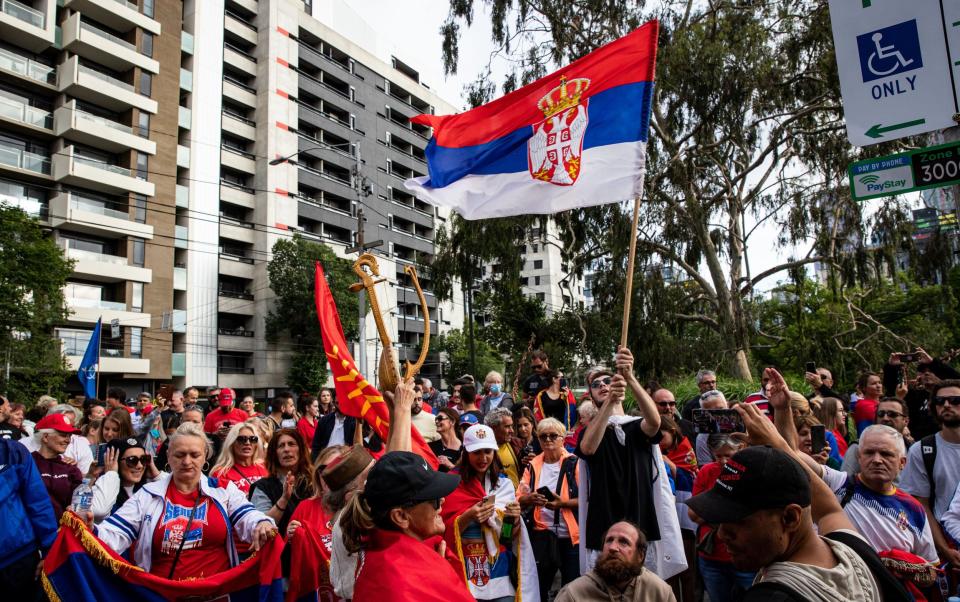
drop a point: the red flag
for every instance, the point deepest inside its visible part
(355, 395)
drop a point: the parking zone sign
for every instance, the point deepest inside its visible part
(897, 74)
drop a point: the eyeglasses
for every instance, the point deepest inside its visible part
(953, 400)
(891, 413)
(708, 382)
(243, 440)
(548, 437)
(536, 366)
(667, 404)
(132, 461)
(599, 382)
(440, 419)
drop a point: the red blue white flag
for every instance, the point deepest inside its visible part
(574, 138)
(81, 568)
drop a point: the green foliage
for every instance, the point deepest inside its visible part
(733, 389)
(294, 316)
(456, 345)
(33, 272)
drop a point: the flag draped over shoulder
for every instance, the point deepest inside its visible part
(574, 138)
(79, 567)
(356, 396)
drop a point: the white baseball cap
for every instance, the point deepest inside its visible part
(479, 436)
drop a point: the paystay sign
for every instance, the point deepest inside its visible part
(896, 67)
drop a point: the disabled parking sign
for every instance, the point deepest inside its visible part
(889, 51)
(898, 72)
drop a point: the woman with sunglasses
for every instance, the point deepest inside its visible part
(556, 401)
(448, 447)
(126, 468)
(241, 459)
(549, 492)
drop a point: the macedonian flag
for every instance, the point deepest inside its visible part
(356, 396)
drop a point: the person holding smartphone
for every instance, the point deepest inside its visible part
(126, 468)
(556, 401)
(549, 492)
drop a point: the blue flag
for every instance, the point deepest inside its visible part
(87, 373)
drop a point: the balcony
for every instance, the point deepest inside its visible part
(183, 196)
(181, 237)
(100, 88)
(102, 267)
(233, 264)
(186, 42)
(186, 80)
(77, 212)
(184, 118)
(103, 47)
(237, 159)
(234, 305)
(31, 119)
(238, 231)
(238, 339)
(240, 27)
(242, 60)
(183, 156)
(88, 311)
(239, 125)
(99, 132)
(113, 364)
(236, 194)
(28, 70)
(178, 364)
(14, 157)
(26, 26)
(69, 168)
(179, 279)
(118, 14)
(239, 91)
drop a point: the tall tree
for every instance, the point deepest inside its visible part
(294, 316)
(747, 139)
(33, 272)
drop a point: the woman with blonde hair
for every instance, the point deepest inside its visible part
(241, 458)
(834, 417)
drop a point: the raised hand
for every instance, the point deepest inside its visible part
(777, 390)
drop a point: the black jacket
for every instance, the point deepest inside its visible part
(321, 436)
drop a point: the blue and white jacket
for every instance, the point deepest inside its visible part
(28, 523)
(136, 520)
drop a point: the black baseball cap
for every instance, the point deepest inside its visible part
(122, 445)
(756, 478)
(403, 478)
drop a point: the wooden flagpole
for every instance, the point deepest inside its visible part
(628, 292)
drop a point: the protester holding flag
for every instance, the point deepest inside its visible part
(241, 458)
(483, 525)
(289, 481)
(396, 523)
(181, 526)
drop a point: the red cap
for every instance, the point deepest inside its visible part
(57, 422)
(226, 396)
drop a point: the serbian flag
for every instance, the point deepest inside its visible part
(79, 567)
(574, 138)
(355, 395)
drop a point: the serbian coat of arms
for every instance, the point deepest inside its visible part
(554, 150)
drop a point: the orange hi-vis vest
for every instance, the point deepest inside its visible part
(567, 492)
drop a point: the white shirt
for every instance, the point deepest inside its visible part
(343, 564)
(426, 425)
(336, 436)
(888, 522)
(946, 472)
(78, 449)
(549, 475)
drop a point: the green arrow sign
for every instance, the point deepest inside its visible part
(877, 131)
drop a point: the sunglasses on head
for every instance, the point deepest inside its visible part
(599, 382)
(548, 437)
(132, 461)
(243, 439)
(953, 400)
(888, 414)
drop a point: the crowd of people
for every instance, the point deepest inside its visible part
(537, 495)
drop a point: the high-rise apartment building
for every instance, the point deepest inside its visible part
(142, 134)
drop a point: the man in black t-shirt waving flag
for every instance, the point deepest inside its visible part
(622, 474)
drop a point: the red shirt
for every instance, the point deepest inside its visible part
(204, 551)
(706, 479)
(218, 417)
(306, 429)
(241, 476)
(310, 549)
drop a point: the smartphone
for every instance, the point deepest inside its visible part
(713, 422)
(818, 438)
(489, 499)
(166, 392)
(810, 367)
(907, 358)
(563, 382)
(101, 451)
(546, 492)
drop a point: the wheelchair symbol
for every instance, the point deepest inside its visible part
(886, 52)
(889, 51)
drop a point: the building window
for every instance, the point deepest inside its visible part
(146, 83)
(541, 296)
(136, 342)
(136, 296)
(146, 43)
(147, 8)
(536, 280)
(142, 162)
(534, 248)
(139, 250)
(144, 124)
(139, 208)
(524, 281)
(538, 264)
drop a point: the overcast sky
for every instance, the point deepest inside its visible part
(410, 31)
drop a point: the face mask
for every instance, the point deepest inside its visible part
(495, 389)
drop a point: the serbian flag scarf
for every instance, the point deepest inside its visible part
(356, 396)
(574, 138)
(80, 568)
(463, 497)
